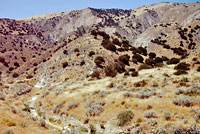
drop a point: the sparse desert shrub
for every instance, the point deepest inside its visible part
(191, 130)
(182, 66)
(91, 53)
(57, 108)
(110, 71)
(2, 97)
(197, 117)
(140, 83)
(161, 131)
(125, 59)
(173, 61)
(150, 114)
(193, 91)
(167, 115)
(92, 129)
(144, 66)
(180, 72)
(108, 45)
(72, 105)
(93, 32)
(65, 64)
(145, 93)
(125, 117)
(104, 35)
(15, 75)
(94, 109)
(138, 57)
(127, 95)
(184, 101)
(152, 55)
(99, 60)
(8, 131)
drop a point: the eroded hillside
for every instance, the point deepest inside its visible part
(102, 71)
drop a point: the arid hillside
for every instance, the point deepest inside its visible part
(102, 71)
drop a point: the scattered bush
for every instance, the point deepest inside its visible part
(16, 64)
(72, 105)
(82, 63)
(116, 42)
(99, 60)
(65, 64)
(149, 61)
(158, 60)
(94, 109)
(120, 67)
(76, 50)
(125, 59)
(91, 53)
(140, 83)
(65, 52)
(145, 93)
(142, 51)
(108, 45)
(15, 75)
(164, 58)
(134, 74)
(95, 74)
(193, 91)
(167, 115)
(180, 72)
(8, 131)
(152, 55)
(150, 114)
(144, 66)
(198, 69)
(29, 76)
(184, 101)
(182, 66)
(125, 117)
(138, 57)
(173, 61)
(110, 71)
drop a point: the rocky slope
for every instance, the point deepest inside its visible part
(102, 71)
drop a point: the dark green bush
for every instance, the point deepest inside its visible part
(125, 59)
(182, 66)
(120, 67)
(152, 55)
(164, 58)
(134, 74)
(149, 61)
(173, 61)
(110, 71)
(116, 42)
(108, 45)
(138, 57)
(65, 52)
(158, 60)
(144, 66)
(180, 72)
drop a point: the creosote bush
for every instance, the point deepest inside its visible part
(125, 117)
(15, 75)
(198, 69)
(110, 71)
(150, 114)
